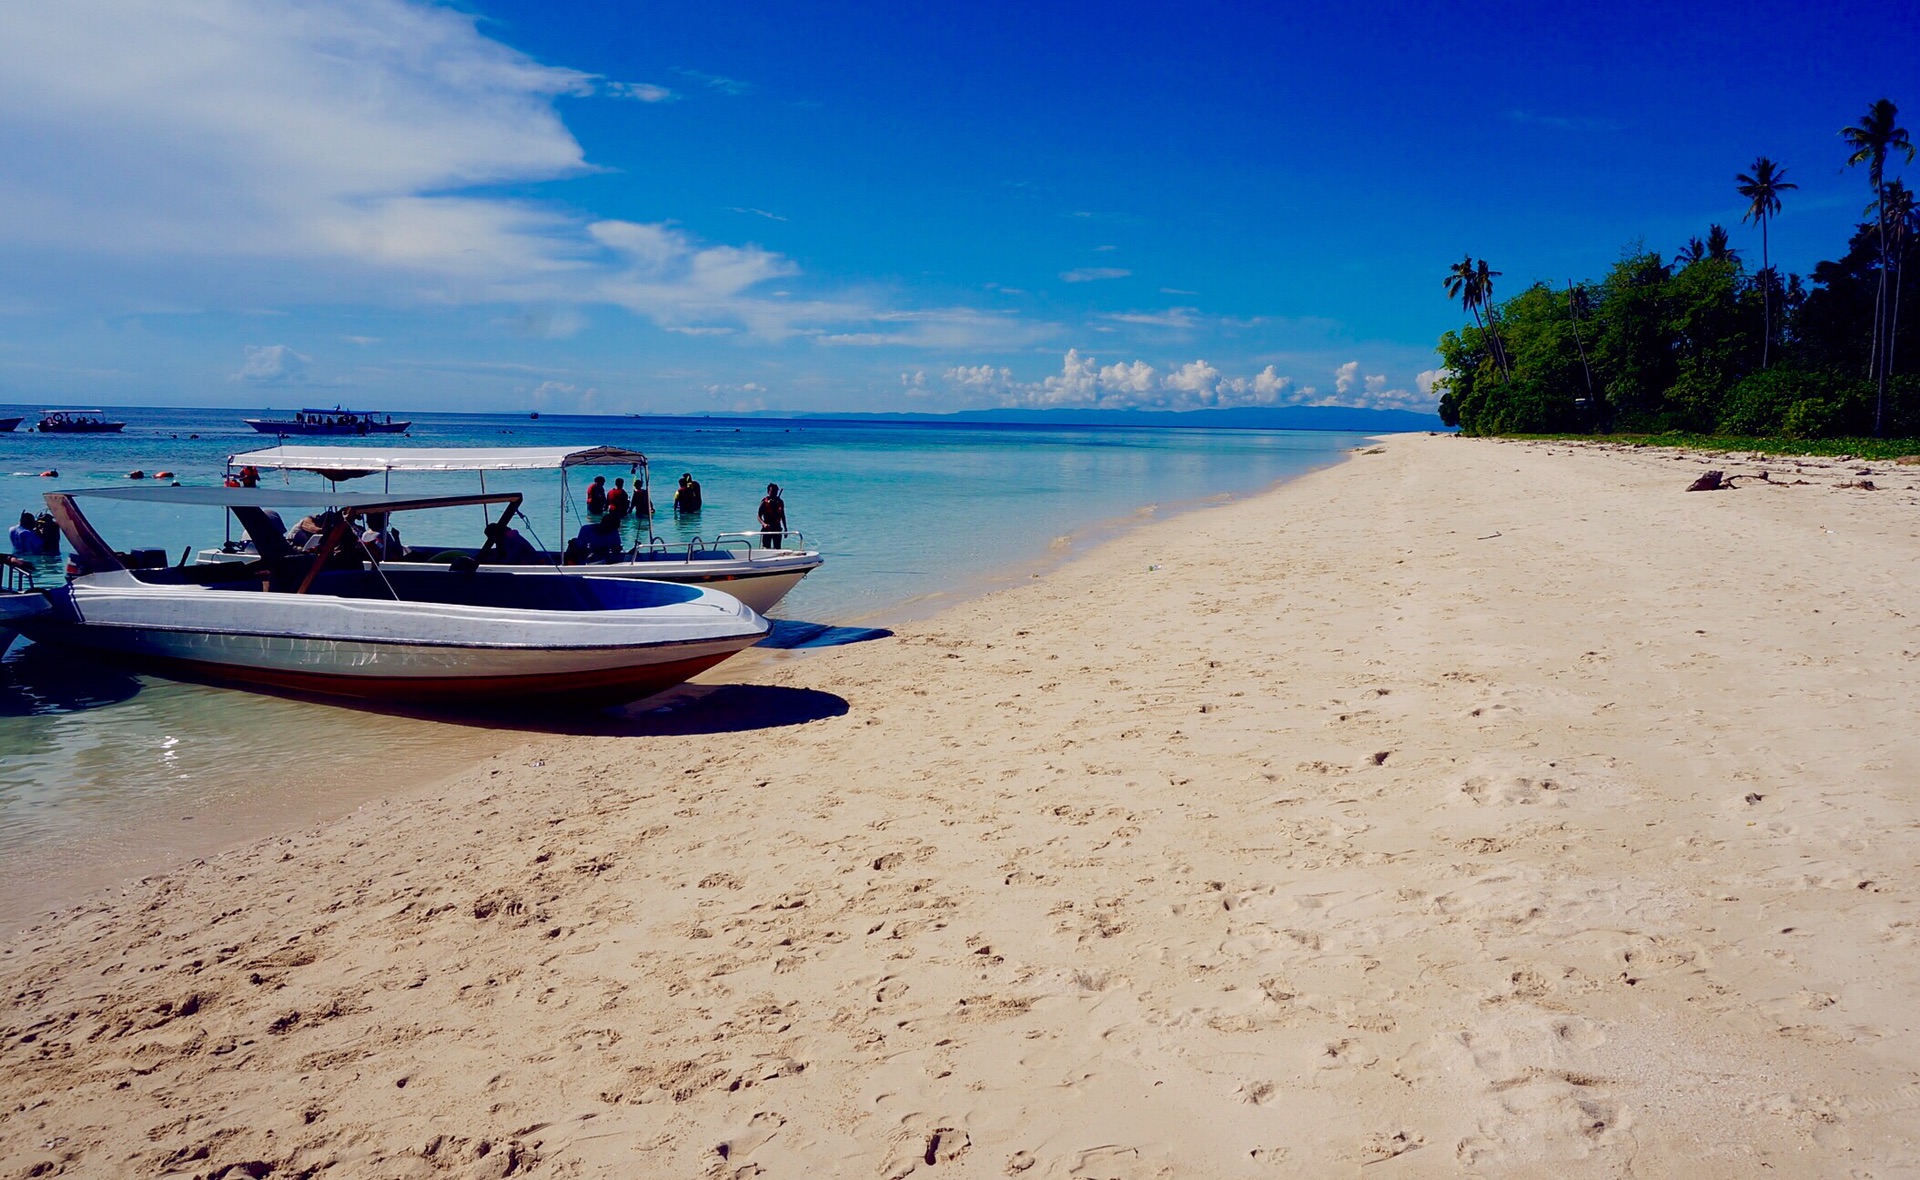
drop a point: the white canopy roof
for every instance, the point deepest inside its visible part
(365, 460)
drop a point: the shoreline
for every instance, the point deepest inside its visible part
(1509, 811)
(72, 871)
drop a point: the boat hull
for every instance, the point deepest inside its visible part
(15, 609)
(391, 673)
(400, 650)
(760, 583)
(351, 429)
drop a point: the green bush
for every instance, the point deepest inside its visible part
(1793, 403)
(1810, 417)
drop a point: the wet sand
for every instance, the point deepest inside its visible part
(1467, 808)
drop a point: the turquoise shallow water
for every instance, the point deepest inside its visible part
(104, 769)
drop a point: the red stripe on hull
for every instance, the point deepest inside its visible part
(612, 686)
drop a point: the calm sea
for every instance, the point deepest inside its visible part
(106, 772)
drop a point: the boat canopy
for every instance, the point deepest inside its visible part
(283, 498)
(249, 506)
(337, 463)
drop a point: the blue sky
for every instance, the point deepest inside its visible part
(615, 207)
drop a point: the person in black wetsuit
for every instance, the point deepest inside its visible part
(686, 499)
(773, 518)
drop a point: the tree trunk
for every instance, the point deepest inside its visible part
(1893, 327)
(1766, 293)
(1573, 312)
(1880, 349)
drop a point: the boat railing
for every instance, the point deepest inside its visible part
(748, 538)
(19, 577)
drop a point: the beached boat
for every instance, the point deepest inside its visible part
(759, 577)
(77, 422)
(337, 621)
(334, 421)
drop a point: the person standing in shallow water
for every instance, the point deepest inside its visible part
(617, 499)
(686, 498)
(25, 537)
(773, 519)
(597, 495)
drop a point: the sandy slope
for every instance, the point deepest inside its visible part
(1468, 808)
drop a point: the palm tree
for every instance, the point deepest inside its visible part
(1576, 302)
(1472, 285)
(1486, 278)
(1720, 247)
(1690, 253)
(1462, 285)
(1875, 137)
(1903, 222)
(1762, 188)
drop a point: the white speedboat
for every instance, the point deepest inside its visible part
(758, 577)
(333, 620)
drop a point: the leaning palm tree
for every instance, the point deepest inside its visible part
(1486, 277)
(1875, 137)
(1762, 188)
(1472, 285)
(1462, 285)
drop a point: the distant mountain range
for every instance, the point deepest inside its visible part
(1252, 417)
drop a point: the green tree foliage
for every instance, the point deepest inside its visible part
(1702, 344)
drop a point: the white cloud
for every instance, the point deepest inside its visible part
(639, 91)
(1137, 378)
(1425, 379)
(1173, 317)
(1265, 388)
(1094, 274)
(1084, 383)
(217, 149)
(717, 82)
(1197, 379)
(273, 364)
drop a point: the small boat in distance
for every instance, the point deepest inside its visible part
(331, 618)
(78, 422)
(7, 424)
(334, 421)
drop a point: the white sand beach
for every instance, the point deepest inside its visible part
(1468, 808)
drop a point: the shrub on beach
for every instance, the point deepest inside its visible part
(1793, 403)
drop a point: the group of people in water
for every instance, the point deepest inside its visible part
(35, 536)
(599, 538)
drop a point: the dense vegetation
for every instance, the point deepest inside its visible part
(1699, 342)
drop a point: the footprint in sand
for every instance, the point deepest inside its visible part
(743, 1143)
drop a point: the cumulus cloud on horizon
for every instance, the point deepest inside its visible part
(1084, 383)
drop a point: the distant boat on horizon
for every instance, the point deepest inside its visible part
(334, 421)
(77, 422)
